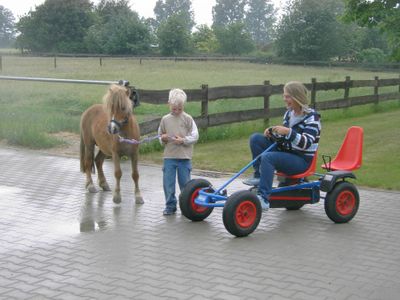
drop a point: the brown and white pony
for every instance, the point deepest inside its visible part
(102, 125)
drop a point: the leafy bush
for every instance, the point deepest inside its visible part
(371, 55)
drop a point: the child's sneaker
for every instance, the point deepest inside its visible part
(169, 211)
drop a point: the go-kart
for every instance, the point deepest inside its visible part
(242, 210)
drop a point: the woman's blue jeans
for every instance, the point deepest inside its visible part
(265, 166)
(171, 168)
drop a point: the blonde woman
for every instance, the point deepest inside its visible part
(301, 130)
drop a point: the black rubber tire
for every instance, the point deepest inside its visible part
(242, 213)
(295, 207)
(186, 200)
(342, 202)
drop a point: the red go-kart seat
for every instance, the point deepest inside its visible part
(310, 171)
(349, 156)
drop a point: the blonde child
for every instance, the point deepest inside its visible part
(178, 132)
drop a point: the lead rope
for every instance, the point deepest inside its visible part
(144, 140)
(136, 142)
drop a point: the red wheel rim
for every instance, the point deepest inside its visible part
(197, 208)
(345, 203)
(246, 214)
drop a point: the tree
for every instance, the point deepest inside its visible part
(7, 27)
(122, 35)
(228, 12)
(152, 26)
(373, 38)
(204, 39)
(174, 36)
(371, 55)
(383, 14)
(118, 30)
(309, 30)
(109, 9)
(234, 39)
(167, 8)
(56, 26)
(260, 19)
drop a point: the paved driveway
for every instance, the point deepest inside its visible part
(58, 242)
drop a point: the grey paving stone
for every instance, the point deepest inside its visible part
(59, 242)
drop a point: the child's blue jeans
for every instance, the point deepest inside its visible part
(172, 168)
(265, 166)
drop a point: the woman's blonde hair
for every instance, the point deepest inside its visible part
(298, 92)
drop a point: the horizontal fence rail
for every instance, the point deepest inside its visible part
(41, 79)
(216, 58)
(205, 95)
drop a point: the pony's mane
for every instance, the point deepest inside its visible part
(116, 100)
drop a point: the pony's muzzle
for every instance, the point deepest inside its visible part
(113, 127)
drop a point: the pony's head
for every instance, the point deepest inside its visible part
(118, 106)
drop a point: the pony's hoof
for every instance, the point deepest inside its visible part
(91, 188)
(117, 199)
(105, 187)
(139, 200)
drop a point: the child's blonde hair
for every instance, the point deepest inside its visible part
(177, 97)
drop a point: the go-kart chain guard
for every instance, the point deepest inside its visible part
(329, 180)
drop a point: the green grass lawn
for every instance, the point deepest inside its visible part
(30, 111)
(381, 165)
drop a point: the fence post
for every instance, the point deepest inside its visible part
(55, 61)
(347, 91)
(101, 61)
(313, 92)
(267, 94)
(1, 63)
(204, 103)
(376, 90)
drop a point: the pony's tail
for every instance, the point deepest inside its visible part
(82, 154)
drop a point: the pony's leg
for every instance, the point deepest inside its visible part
(100, 174)
(118, 174)
(89, 164)
(135, 177)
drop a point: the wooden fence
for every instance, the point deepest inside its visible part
(265, 91)
(205, 95)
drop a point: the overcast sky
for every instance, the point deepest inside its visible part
(202, 8)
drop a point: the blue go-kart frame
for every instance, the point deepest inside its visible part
(242, 210)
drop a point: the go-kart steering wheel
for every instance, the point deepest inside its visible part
(276, 137)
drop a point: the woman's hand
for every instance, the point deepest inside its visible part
(281, 130)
